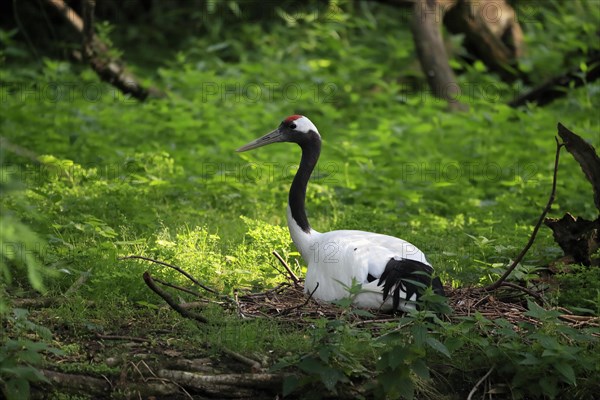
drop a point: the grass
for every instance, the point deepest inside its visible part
(162, 179)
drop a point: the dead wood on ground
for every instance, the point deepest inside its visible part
(578, 237)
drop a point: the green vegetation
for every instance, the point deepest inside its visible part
(115, 177)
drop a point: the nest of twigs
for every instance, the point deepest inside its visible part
(288, 302)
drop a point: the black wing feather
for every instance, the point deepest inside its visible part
(398, 275)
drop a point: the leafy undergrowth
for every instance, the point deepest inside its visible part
(89, 176)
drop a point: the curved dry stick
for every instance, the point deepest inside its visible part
(176, 268)
(171, 285)
(518, 259)
(479, 382)
(287, 310)
(524, 289)
(172, 303)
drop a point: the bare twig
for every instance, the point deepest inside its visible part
(180, 288)
(172, 303)
(253, 364)
(78, 283)
(287, 310)
(176, 268)
(121, 337)
(291, 273)
(96, 52)
(479, 382)
(524, 289)
(230, 385)
(392, 318)
(518, 259)
(18, 150)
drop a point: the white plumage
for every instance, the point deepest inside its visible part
(385, 266)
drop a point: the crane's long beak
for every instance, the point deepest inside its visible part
(271, 137)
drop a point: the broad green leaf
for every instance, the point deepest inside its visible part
(567, 372)
(438, 346)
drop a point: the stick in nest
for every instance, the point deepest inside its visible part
(291, 274)
(518, 259)
(287, 310)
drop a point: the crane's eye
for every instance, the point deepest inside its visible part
(292, 126)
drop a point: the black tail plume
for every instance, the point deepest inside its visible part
(398, 275)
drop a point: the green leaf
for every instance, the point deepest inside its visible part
(290, 384)
(420, 368)
(397, 356)
(530, 359)
(549, 386)
(419, 333)
(363, 313)
(438, 346)
(567, 372)
(17, 389)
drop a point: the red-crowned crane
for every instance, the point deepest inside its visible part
(382, 264)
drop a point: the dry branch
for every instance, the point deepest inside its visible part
(291, 273)
(519, 257)
(585, 154)
(122, 337)
(555, 88)
(96, 52)
(523, 289)
(94, 387)
(579, 238)
(479, 382)
(288, 310)
(172, 303)
(224, 384)
(103, 388)
(176, 268)
(180, 288)
(253, 364)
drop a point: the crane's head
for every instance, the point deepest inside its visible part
(295, 128)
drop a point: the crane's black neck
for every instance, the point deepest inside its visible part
(311, 149)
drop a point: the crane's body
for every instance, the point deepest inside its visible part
(382, 264)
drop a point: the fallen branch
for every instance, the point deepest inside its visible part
(254, 365)
(518, 259)
(291, 273)
(103, 388)
(194, 365)
(121, 337)
(172, 303)
(176, 268)
(224, 383)
(556, 87)
(479, 382)
(180, 288)
(94, 387)
(578, 237)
